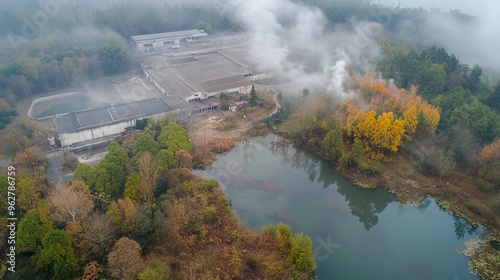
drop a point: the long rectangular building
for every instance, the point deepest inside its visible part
(95, 125)
(168, 40)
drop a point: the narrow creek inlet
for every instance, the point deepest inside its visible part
(356, 233)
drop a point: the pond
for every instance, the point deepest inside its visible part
(64, 105)
(356, 233)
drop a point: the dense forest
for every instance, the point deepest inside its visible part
(141, 214)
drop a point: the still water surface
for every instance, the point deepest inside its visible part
(356, 233)
(73, 104)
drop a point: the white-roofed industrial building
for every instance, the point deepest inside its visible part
(168, 40)
(91, 127)
(198, 76)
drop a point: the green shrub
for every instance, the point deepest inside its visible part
(357, 149)
(210, 214)
(348, 161)
(160, 273)
(472, 207)
(283, 233)
(140, 124)
(269, 230)
(484, 185)
(313, 143)
(224, 201)
(332, 144)
(368, 169)
(210, 185)
(301, 253)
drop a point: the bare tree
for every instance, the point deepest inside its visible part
(73, 203)
(125, 259)
(149, 174)
(99, 230)
(444, 162)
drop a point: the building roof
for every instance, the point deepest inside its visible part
(169, 79)
(223, 84)
(88, 119)
(210, 102)
(186, 75)
(166, 35)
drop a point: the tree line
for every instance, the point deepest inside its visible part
(51, 62)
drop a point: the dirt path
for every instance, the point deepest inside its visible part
(277, 104)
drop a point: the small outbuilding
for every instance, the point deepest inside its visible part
(234, 106)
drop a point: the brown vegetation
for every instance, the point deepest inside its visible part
(221, 145)
(149, 174)
(71, 203)
(125, 259)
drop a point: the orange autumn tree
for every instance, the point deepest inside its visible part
(400, 114)
(489, 160)
(490, 152)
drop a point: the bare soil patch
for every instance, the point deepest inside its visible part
(213, 127)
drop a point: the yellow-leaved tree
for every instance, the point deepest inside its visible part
(380, 134)
(417, 114)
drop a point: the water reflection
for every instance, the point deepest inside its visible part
(426, 201)
(364, 204)
(318, 170)
(463, 227)
(356, 233)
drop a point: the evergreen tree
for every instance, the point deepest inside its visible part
(30, 233)
(493, 99)
(145, 143)
(111, 175)
(253, 97)
(332, 143)
(57, 255)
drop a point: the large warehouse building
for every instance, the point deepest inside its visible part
(90, 127)
(196, 76)
(168, 40)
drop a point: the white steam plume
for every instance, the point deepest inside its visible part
(292, 42)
